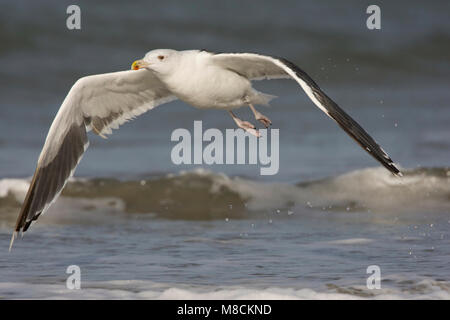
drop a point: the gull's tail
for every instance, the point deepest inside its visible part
(261, 98)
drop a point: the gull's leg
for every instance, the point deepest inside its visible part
(247, 126)
(260, 117)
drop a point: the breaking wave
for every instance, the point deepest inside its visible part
(201, 194)
(419, 289)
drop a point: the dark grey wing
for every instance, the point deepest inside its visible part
(256, 67)
(101, 103)
(49, 179)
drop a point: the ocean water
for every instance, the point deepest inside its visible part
(139, 226)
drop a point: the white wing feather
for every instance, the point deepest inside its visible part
(104, 102)
(100, 102)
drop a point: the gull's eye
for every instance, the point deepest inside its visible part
(161, 58)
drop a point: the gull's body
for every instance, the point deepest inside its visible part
(199, 81)
(202, 79)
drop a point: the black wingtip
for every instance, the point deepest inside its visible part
(347, 123)
(394, 170)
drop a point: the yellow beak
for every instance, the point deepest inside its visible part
(138, 64)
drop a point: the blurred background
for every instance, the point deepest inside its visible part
(329, 212)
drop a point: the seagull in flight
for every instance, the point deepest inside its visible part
(203, 79)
